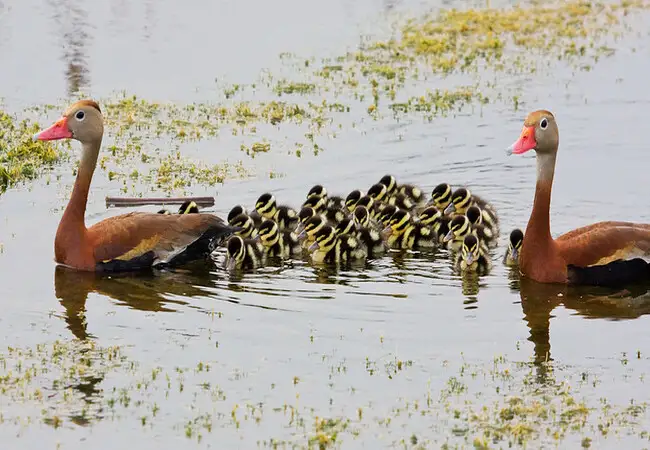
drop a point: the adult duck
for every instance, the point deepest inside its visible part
(132, 241)
(604, 253)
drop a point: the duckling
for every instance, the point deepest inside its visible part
(459, 227)
(317, 203)
(413, 193)
(244, 253)
(284, 216)
(385, 214)
(433, 218)
(402, 233)
(352, 199)
(282, 243)
(306, 213)
(239, 209)
(475, 216)
(367, 233)
(462, 199)
(312, 226)
(471, 258)
(440, 196)
(378, 192)
(334, 201)
(401, 201)
(246, 225)
(373, 207)
(515, 241)
(346, 226)
(188, 207)
(328, 247)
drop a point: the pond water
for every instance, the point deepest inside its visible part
(401, 352)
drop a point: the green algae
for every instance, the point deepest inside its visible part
(22, 158)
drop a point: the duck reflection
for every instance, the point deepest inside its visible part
(72, 19)
(539, 300)
(151, 291)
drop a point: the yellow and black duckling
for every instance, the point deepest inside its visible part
(402, 233)
(285, 216)
(471, 258)
(462, 199)
(367, 233)
(244, 253)
(188, 207)
(346, 226)
(401, 201)
(515, 241)
(459, 227)
(239, 209)
(319, 191)
(246, 225)
(317, 203)
(332, 213)
(328, 247)
(385, 214)
(433, 218)
(378, 192)
(276, 242)
(311, 227)
(440, 197)
(306, 213)
(483, 230)
(413, 193)
(352, 199)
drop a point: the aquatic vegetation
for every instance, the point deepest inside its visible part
(21, 158)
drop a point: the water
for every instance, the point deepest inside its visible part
(290, 343)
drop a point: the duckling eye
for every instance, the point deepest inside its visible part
(80, 116)
(543, 124)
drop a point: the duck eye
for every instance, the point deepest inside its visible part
(543, 124)
(80, 115)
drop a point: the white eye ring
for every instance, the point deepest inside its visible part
(543, 124)
(80, 116)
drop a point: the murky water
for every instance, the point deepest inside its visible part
(291, 343)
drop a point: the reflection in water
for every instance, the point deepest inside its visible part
(72, 20)
(145, 292)
(539, 300)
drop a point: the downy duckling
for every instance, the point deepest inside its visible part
(276, 242)
(402, 233)
(367, 233)
(246, 225)
(462, 199)
(188, 207)
(459, 227)
(471, 258)
(239, 209)
(440, 197)
(244, 254)
(433, 218)
(312, 226)
(385, 214)
(475, 216)
(328, 247)
(378, 192)
(284, 216)
(306, 213)
(346, 226)
(401, 201)
(317, 203)
(373, 207)
(352, 199)
(413, 193)
(319, 191)
(515, 241)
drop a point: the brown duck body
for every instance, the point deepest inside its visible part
(572, 255)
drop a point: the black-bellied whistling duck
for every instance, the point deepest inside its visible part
(132, 241)
(603, 253)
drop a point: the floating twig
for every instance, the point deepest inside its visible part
(121, 202)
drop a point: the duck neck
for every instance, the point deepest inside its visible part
(539, 224)
(73, 217)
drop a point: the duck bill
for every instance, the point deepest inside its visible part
(515, 254)
(525, 142)
(302, 235)
(386, 232)
(448, 237)
(469, 259)
(313, 247)
(451, 208)
(231, 263)
(299, 229)
(59, 130)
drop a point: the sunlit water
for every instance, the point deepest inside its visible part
(294, 334)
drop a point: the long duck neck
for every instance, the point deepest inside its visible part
(73, 217)
(539, 224)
